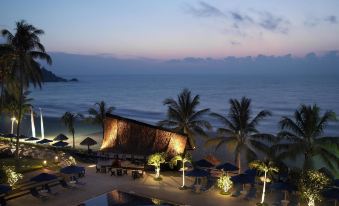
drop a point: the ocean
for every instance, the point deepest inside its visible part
(141, 96)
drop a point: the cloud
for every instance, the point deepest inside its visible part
(331, 19)
(205, 10)
(315, 21)
(235, 43)
(261, 19)
(274, 23)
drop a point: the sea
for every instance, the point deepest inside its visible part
(141, 96)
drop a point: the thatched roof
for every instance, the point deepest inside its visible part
(128, 136)
(88, 141)
(60, 137)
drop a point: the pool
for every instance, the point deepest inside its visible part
(117, 197)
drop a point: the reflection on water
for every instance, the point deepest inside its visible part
(122, 198)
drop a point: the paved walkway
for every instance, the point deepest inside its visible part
(98, 183)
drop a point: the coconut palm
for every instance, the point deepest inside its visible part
(6, 73)
(183, 158)
(69, 119)
(98, 114)
(183, 116)
(267, 167)
(304, 134)
(239, 133)
(26, 48)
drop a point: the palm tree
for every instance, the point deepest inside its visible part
(305, 137)
(239, 133)
(267, 167)
(26, 47)
(183, 158)
(69, 119)
(98, 115)
(183, 116)
(6, 72)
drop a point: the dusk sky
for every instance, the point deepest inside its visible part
(178, 29)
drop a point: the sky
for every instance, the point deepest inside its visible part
(180, 28)
(183, 36)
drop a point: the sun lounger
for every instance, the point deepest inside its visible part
(294, 200)
(252, 193)
(34, 192)
(237, 190)
(277, 197)
(209, 185)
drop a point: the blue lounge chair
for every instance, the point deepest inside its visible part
(237, 190)
(252, 193)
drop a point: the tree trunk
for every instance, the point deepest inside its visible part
(73, 140)
(103, 130)
(264, 189)
(2, 96)
(183, 174)
(239, 162)
(20, 112)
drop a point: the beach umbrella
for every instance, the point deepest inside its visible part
(332, 193)
(32, 139)
(283, 186)
(336, 183)
(60, 137)
(44, 141)
(60, 144)
(72, 169)
(89, 142)
(23, 137)
(197, 173)
(227, 167)
(251, 172)
(43, 177)
(9, 135)
(4, 188)
(242, 179)
(203, 163)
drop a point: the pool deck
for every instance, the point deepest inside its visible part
(98, 183)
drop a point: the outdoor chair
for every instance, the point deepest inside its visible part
(34, 192)
(119, 172)
(277, 197)
(64, 184)
(97, 169)
(252, 193)
(237, 190)
(294, 200)
(113, 172)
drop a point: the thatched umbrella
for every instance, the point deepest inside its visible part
(89, 142)
(60, 137)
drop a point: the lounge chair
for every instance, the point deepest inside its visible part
(237, 190)
(294, 200)
(210, 184)
(64, 184)
(277, 197)
(2, 201)
(252, 193)
(34, 192)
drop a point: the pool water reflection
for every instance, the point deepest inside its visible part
(117, 197)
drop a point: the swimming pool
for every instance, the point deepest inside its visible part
(117, 197)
